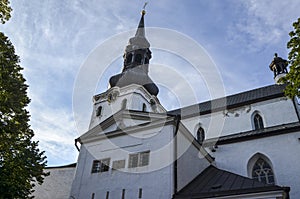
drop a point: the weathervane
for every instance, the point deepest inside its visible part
(145, 5)
(144, 11)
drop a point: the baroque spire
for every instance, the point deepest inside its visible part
(136, 61)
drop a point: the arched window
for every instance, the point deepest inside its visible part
(124, 104)
(99, 111)
(200, 135)
(129, 58)
(144, 107)
(138, 58)
(146, 61)
(263, 172)
(260, 168)
(258, 122)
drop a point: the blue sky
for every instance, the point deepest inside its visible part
(54, 39)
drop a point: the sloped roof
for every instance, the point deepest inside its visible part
(72, 165)
(214, 182)
(232, 101)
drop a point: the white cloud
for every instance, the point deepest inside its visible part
(55, 130)
(264, 23)
(53, 39)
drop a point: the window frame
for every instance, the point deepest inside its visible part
(263, 172)
(118, 164)
(100, 166)
(268, 165)
(258, 122)
(140, 159)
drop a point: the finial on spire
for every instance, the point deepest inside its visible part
(144, 11)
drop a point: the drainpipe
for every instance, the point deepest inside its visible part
(76, 141)
(177, 121)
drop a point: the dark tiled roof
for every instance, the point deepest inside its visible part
(214, 182)
(232, 101)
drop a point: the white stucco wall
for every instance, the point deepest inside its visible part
(57, 185)
(156, 179)
(274, 112)
(135, 95)
(190, 162)
(282, 151)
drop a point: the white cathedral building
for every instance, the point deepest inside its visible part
(134, 148)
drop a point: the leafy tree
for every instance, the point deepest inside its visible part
(5, 11)
(293, 77)
(21, 162)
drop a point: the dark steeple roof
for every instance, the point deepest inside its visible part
(136, 62)
(214, 182)
(141, 28)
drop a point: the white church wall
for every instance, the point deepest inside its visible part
(282, 151)
(155, 179)
(132, 97)
(57, 185)
(277, 111)
(190, 162)
(274, 112)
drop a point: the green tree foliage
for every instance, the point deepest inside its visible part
(5, 11)
(21, 162)
(293, 77)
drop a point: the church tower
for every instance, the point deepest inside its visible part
(133, 148)
(132, 89)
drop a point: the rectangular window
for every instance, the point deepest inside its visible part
(140, 193)
(107, 195)
(139, 159)
(100, 165)
(96, 166)
(133, 160)
(118, 164)
(144, 158)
